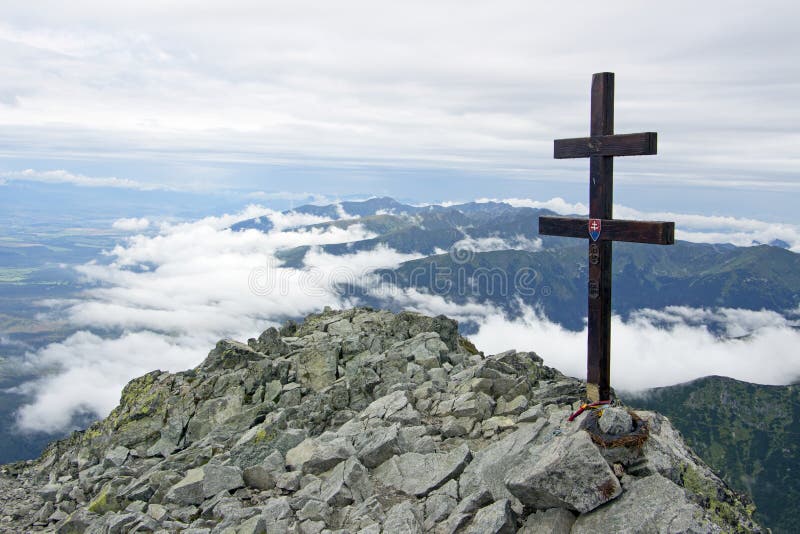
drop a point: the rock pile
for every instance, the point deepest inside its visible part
(363, 421)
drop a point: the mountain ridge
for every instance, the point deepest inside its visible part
(489, 236)
(746, 432)
(364, 420)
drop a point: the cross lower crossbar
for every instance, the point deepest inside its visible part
(637, 144)
(653, 232)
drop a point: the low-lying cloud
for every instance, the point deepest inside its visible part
(162, 301)
(647, 354)
(557, 204)
(87, 372)
(132, 224)
(61, 176)
(490, 244)
(739, 231)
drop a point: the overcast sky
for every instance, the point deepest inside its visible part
(420, 100)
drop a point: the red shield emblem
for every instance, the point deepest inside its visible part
(595, 226)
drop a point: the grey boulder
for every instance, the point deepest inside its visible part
(497, 518)
(568, 472)
(550, 521)
(403, 518)
(203, 482)
(418, 474)
(615, 421)
(315, 456)
(650, 504)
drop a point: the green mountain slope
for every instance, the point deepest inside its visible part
(686, 274)
(434, 230)
(748, 433)
(555, 277)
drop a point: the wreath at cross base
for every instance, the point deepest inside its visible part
(635, 438)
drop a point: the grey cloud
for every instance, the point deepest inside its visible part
(462, 86)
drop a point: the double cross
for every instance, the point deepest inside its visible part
(601, 229)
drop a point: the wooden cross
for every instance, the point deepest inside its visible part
(601, 229)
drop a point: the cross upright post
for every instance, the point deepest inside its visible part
(601, 206)
(602, 229)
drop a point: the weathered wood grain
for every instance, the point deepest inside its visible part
(652, 232)
(635, 144)
(601, 203)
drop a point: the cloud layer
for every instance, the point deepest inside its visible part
(407, 85)
(647, 353)
(61, 176)
(489, 244)
(162, 301)
(131, 224)
(697, 228)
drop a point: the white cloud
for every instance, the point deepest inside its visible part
(472, 245)
(413, 299)
(740, 231)
(88, 373)
(557, 204)
(696, 228)
(131, 224)
(293, 219)
(354, 267)
(223, 221)
(203, 282)
(66, 177)
(647, 354)
(305, 197)
(735, 322)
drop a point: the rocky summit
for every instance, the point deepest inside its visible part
(364, 421)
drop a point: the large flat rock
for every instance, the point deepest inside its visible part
(315, 456)
(650, 504)
(490, 466)
(418, 474)
(566, 472)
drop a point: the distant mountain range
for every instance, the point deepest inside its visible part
(492, 252)
(748, 433)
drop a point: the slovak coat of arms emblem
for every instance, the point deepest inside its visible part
(595, 225)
